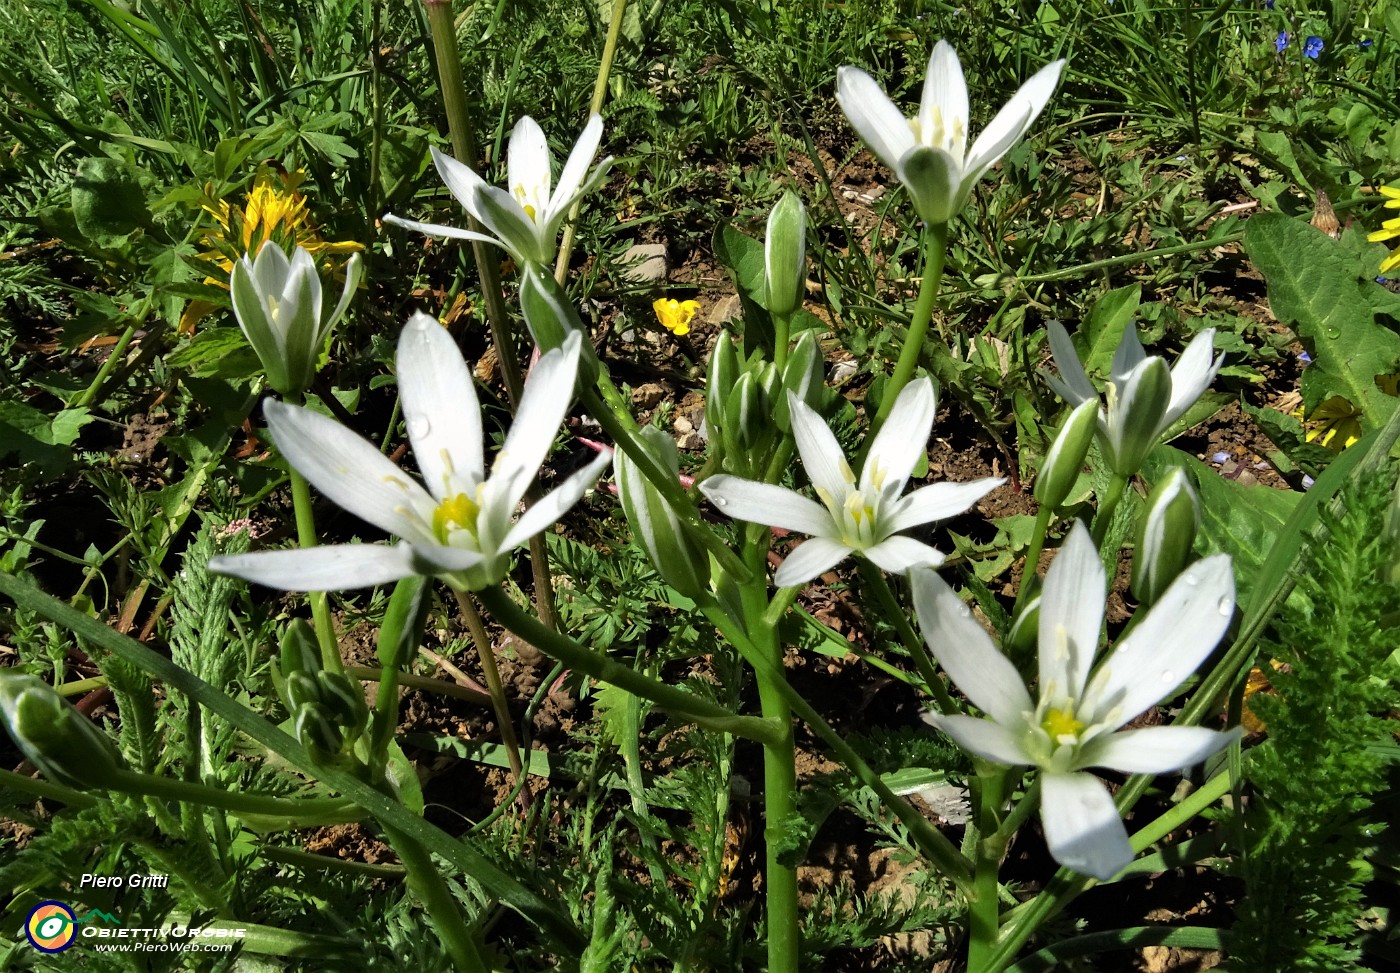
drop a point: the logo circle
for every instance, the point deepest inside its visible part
(51, 927)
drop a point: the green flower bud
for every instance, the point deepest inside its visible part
(722, 373)
(1024, 634)
(551, 317)
(63, 743)
(301, 690)
(1135, 412)
(785, 256)
(1066, 457)
(1165, 536)
(748, 416)
(683, 564)
(344, 700)
(299, 651)
(316, 730)
(278, 305)
(803, 376)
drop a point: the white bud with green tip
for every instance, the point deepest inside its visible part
(298, 649)
(316, 730)
(656, 526)
(785, 256)
(721, 374)
(345, 701)
(56, 738)
(301, 689)
(802, 376)
(552, 317)
(278, 305)
(748, 415)
(1165, 535)
(1066, 456)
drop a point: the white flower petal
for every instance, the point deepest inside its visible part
(436, 229)
(945, 90)
(1071, 612)
(897, 554)
(1082, 827)
(1072, 375)
(438, 559)
(1192, 375)
(576, 167)
(461, 179)
(1128, 355)
(499, 211)
(333, 567)
(351, 472)
(1154, 750)
(983, 738)
(967, 653)
(1178, 634)
(440, 408)
(939, 501)
(527, 165)
(555, 504)
(764, 503)
(901, 441)
(822, 457)
(1014, 120)
(874, 117)
(810, 559)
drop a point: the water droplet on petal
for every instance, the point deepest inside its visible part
(419, 426)
(1191, 579)
(1168, 676)
(721, 502)
(1226, 606)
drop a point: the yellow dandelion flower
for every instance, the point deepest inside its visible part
(275, 212)
(675, 316)
(1389, 230)
(1335, 423)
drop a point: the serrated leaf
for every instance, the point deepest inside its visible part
(1314, 288)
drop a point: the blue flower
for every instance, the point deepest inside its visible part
(1268, 4)
(1281, 41)
(1366, 43)
(1312, 47)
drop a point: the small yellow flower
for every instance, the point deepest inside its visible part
(675, 316)
(1335, 423)
(1389, 230)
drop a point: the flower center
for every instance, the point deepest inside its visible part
(456, 513)
(274, 308)
(1062, 726)
(859, 521)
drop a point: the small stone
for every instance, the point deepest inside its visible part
(648, 396)
(645, 264)
(629, 336)
(725, 310)
(683, 425)
(690, 440)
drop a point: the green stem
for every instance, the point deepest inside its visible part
(935, 252)
(560, 647)
(913, 643)
(951, 862)
(320, 603)
(424, 684)
(600, 93)
(1130, 259)
(1030, 574)
(1109, 507)
(779, 771)
(302, 812)
(487, 654)
(782, 327)
(94, 390)
(982, 905)
(425, 880)
(45, 788)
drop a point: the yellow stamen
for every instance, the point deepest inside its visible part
(460, 511)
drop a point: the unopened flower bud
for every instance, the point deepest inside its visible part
(1165, 536)
(803, 376)
(785, 255)
(316, 730)
(344, 699)
(655, 524)
(1026, 628)
(301, 689)
(278, 305)
(299, 651)
(1066, 456)
(748, 417)
(62, 742)
(552, 317)
(722, 373)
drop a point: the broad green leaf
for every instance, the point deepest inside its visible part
(1314, 287)
(40, 437)
(1108, 320)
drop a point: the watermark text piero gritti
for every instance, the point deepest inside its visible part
(135, 881)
